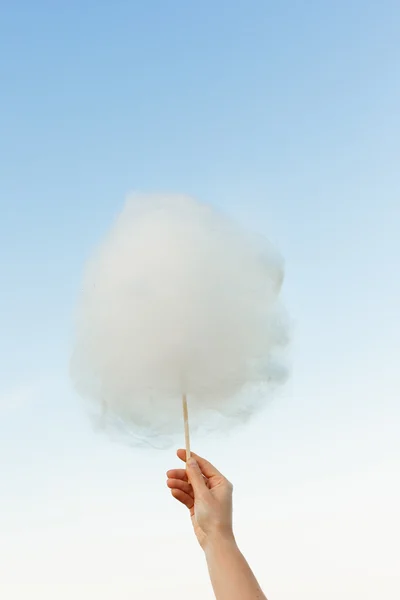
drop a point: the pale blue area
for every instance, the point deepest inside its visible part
(286, 114)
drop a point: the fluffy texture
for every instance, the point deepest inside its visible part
(178, 298)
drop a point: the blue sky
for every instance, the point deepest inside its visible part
(286, 115)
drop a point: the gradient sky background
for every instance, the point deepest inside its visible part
(286, 115)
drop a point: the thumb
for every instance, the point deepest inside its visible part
(195, 476)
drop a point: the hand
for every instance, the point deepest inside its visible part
(208, 496)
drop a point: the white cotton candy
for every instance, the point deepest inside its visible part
(178, 299)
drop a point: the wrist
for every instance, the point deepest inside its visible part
(219, 542)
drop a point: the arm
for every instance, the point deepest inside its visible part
(208, 496)
(231, 576)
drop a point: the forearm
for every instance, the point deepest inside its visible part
(231, 576)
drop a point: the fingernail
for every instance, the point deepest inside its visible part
(192, 462)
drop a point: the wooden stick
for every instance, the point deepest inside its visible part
(186, 424)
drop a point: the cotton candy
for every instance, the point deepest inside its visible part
(178, 299)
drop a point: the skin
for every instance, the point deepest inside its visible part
(208, 496)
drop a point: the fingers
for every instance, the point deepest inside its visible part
(180, 474)
(183, 497)
(206, 467)
(178, 484)
(196, 478)
(180, 487)
(177, 474)
(193, 480)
